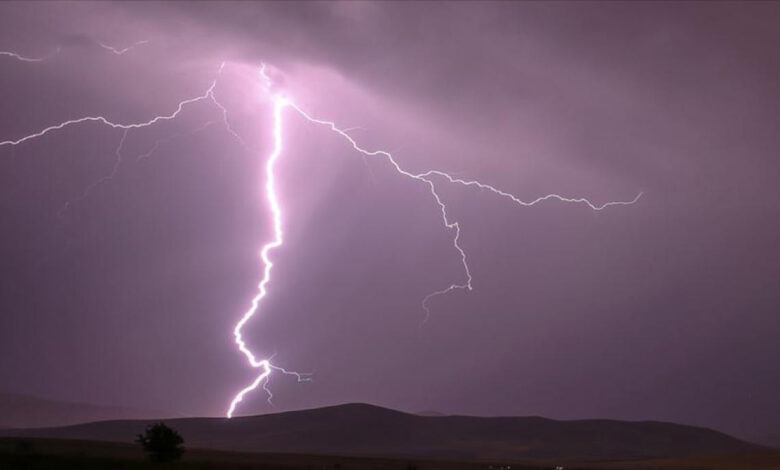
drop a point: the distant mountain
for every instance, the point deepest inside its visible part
(24, 411)
(358, 429)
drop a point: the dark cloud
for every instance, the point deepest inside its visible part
(664, 310)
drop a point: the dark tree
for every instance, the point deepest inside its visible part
(162, 443)
(23, 446)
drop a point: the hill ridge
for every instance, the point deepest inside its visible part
(365, 429)
(29, 411)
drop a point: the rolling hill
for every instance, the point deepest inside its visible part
(24, 411)
(359, 429)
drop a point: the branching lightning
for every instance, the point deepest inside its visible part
(22, 58)
(112, 49)
(114, 169)
(208, 95)
(118, 51)
(280, 103)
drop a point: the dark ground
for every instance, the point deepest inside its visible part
(40, 454)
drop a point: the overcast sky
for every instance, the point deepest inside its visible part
(126, 292)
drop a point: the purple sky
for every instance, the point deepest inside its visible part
(667, 309)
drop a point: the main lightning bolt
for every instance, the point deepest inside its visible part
(280, 103)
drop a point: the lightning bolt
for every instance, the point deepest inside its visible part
(119, 158)
(280, 104)
(88, 190)
(118, 51)
(207, 95)
(57, 50)
(22, 58)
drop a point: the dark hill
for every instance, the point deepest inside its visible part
(358, 429)
(24, 411)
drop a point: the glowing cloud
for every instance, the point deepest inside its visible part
(281, 103)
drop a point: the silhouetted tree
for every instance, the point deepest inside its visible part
(163, 444)
(23, 446)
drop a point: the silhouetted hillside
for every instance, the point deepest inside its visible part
(24, 411)
(358, 429)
